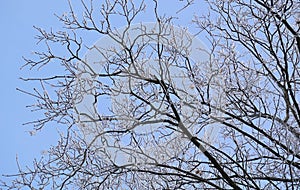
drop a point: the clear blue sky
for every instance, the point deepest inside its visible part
(17, 39)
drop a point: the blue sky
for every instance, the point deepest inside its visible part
(17, 37)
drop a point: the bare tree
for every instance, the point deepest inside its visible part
(150, 107)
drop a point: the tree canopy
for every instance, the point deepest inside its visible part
(156, 105)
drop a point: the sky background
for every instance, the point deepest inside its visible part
(17, 37)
